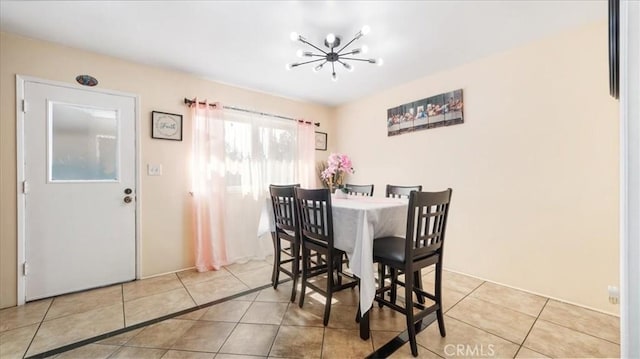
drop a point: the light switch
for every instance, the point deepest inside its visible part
(154, 169)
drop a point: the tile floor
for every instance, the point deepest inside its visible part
(482, 320)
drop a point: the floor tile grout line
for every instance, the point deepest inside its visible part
(511, 309)
(324, 334)
(484, 330)
(186, 289)
(530, 329)
(226, 339)
(100, 337)
(463, 298)
(124, 314)
(579, 331)
(274, 338)
(37, 329)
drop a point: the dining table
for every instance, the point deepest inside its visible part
(357, 220)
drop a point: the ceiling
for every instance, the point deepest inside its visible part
(246, 43)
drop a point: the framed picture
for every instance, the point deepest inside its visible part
(166, 126)
(321, 141)
(440, 110)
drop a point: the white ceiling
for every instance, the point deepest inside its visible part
(246, 43)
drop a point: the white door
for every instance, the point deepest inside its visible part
(79, 191)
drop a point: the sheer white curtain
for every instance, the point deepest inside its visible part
(245, 154)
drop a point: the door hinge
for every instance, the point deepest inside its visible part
(25, 269)
(25, 187)
(24, 105)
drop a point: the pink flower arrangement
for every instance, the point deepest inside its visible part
(337, 165)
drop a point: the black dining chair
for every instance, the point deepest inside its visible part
(358, 189)
(422, 246)
(394, 191)
(313, 207)
(286, 229)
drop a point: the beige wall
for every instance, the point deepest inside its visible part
(165, 215)
(534, 168)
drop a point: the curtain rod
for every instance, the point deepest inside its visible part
(189, 102)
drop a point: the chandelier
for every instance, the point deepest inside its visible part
(335, 54)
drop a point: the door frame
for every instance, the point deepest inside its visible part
(21, 80)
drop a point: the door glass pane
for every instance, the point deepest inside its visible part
(83, 143)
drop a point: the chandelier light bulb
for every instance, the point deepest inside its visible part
(364, 49)
(334, 77)
(331, 38)
(294, 36)
(317, 68)
(288, 67)
(365, 30)
(380, 61)
(299, 53)
(347, 66)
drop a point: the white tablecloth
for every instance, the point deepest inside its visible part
(356, 222)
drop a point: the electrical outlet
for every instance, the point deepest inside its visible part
(614, 294)
(154, 169)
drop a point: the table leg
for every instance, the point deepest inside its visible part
(364, 325)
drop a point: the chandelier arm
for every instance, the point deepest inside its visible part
(350, 53)
(348, 43)
(308, 62)
(354, 59)
(348, 67)
(312, 45)
(318, 55)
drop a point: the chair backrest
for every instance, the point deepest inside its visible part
(313, 207)
(426, 223)
(283, 203)
(401, 191)
(360, 189)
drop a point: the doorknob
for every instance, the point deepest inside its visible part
(127, 199)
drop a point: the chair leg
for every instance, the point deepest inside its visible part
(438, 295)
(331, 262)
(411, 328)
(276, 262)
(273, 272)
(338, 265)
(305, 273)
(417, 280)
(381, 274)
(295, 269)
(394, 287)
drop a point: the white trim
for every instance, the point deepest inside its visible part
(20, 86)
(138, 193)
(629, 179)
(19, 193)
(170, 272)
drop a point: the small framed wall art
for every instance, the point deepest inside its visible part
(166, 126)
(321, 141)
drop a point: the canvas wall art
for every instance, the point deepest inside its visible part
(436, 111)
